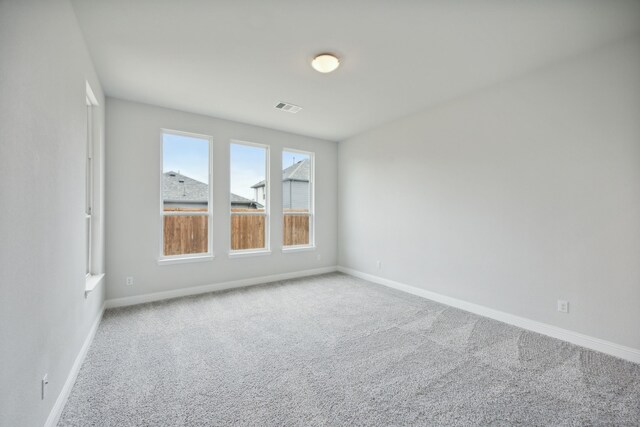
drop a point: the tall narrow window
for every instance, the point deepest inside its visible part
(88, 205)
(249, 197)
(93, 200)
(186, 195)
(298, 198)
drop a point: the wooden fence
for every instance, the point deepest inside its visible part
(247, 231)
(296, 230)
(190, 234)
(186, 234)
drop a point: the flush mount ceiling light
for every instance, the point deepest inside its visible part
(325, 63)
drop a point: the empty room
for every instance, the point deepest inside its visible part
(329, 213)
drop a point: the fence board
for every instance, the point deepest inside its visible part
(296, 230)
(247, 232)
(189, 234)
(186, 235)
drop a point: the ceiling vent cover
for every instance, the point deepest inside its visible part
(289, 108)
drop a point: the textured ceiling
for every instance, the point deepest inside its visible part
(237, 59)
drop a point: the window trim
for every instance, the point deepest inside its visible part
(186, 259)
(244, 253)
(298, 248)
(312, 203)
(201, 256)
(92, 223)
(266, 250)
(88, 191)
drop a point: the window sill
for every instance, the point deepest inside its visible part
(244, 254)
(184, 260)
(92, 282)
(290, 249)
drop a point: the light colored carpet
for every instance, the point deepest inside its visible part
(334, 350)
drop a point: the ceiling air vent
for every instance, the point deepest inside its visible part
(289, 108)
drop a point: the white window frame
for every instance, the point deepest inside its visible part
(312, 203)
(92, 191)
(88, 195)
(267, 204)
(183, 258)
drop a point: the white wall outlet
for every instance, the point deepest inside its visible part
(129, 281)
(43, 386)
(319, 257)
(378, 264)
(563, 306)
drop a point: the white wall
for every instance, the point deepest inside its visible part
(133, 218)
(511, 197)
(44, 316)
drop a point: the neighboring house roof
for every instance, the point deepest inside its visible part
(178, 188)
(298, 171)
(239, 200)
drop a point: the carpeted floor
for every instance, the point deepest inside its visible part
(333, 350)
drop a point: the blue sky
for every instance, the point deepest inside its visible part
(248, 166)
(189, 156)
(289, 158)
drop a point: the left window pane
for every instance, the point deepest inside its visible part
(185, 194)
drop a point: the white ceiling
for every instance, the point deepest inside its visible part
(236, 59)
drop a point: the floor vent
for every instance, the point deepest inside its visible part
(289, 108)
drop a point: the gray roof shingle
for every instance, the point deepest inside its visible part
(298, 171)
(178, 188)
(239, 199)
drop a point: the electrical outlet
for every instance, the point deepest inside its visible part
(563, 306)
(319, 257)
(379, 264)
(43, 385)
(129, 281)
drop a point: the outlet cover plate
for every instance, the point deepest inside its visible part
(563, 306)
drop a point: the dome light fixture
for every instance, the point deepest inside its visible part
(325, 63)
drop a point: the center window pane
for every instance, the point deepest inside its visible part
(249, 196)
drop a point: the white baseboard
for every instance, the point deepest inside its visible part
(175, 293)
(597, 344)
(56, 411)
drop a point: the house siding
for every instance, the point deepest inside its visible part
(298, 192)
(260, 195)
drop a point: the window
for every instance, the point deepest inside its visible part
(249, 197)
(88, 200)
(297, 198)
(185, 205)
(93, 201)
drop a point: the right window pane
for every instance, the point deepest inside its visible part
(297, 198)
